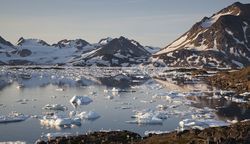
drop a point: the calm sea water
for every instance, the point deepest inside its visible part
(114, 112)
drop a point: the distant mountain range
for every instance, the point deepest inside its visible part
(107, 52)
(222, 40)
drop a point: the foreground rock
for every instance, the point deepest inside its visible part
(113, 137)
(236, 133)
(238, 81)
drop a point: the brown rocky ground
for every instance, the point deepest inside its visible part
(113, 137)
(237, 133)
(238, 81)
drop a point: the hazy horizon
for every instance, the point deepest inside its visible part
(151, 23)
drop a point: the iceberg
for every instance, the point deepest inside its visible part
(80, 100)
(91, 115)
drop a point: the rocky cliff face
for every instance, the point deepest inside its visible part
(222, 40)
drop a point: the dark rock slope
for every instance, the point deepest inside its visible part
(222, 40)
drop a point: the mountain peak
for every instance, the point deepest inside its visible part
(65, 43)
(220, 40)
(22, 41)
(4, 42)
(105, 40)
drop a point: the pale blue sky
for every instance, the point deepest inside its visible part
(151, 22)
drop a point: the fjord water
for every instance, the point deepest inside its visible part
(138, 91)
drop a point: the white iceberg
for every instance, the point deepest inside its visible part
(91, 115)
(80, 100)
(59, 121)
(200, 124)
(146, 118)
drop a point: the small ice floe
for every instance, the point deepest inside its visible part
(147, 133)
(105, 91)
(60, 89)
(20, 86)
(200, 124)
(92, 93)
(56, 107)
(236, 99)
(56, 121)
(165, 96)
(115, 89)
(148, 118)
(91, 115)
(13, 117)
(232, 121)
(80, 100)
(161, 107)
(109, 97)
(245, 94)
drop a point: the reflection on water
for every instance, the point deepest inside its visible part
(117, 94)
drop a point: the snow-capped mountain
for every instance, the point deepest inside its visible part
(38, 52)
(108, 52)
(115, 52)
(5, 45)
(78, 43)
(222, 40)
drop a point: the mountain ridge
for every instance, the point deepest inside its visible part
(222, 40)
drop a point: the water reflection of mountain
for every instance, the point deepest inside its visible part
(226, 109)
(123, 81)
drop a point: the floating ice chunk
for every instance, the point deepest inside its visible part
(109, 97)
(155, 132)
(92, 93)
(200, 124)
(62, 121)
(146, 118)
(72, 113)
(57, 121)
(245, 94)
(55, 107)
(161, 107)
(80, 100)
(115, 89)
(20, 86)
(13, 117)
(60, 89)
(91, 115)
(232, 121)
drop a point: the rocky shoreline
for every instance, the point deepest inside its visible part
(235, 133)
(238, 81)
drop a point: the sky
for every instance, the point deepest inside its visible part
(150, 22)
